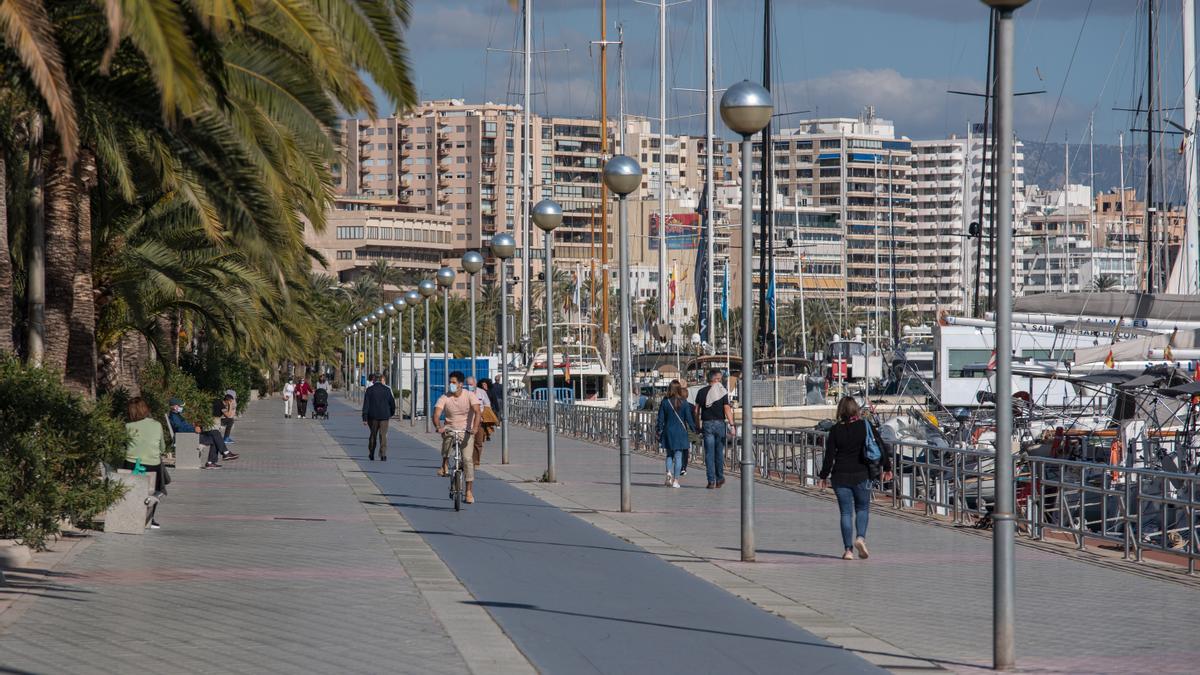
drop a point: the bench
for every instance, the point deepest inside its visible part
(131, 514)
(185, 458)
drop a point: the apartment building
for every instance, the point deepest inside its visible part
(940, 217)
(362, 230)
(859, 169)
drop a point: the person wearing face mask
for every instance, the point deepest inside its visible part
(461, 411)
(212, 438)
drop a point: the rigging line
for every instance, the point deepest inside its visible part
(1062, 89)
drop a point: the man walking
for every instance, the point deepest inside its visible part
(379, 404)
(714, 412)
(462, 416)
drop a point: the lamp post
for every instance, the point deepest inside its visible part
(1003, 572)
(372, 338)
(472, 262)
(398, 363)
(445, 279)
(503, 247)
(426, 288)
(746, 109)
(622, 175)
(390, 364)
(547, 215)
(412, 299)
(380, 319)
(358, 335)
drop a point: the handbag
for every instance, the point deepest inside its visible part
(871, 454)
(489, 417)
(693, 436)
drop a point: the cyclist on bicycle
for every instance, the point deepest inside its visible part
(461, 410)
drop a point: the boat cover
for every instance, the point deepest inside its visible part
(1163, 306)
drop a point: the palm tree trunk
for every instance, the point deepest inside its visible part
(81, 353)
(6, 269)
(35, 264)
(61, 258)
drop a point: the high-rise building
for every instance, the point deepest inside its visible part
(360, 231)
(858, 168)
(940, 215)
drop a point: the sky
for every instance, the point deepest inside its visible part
(832, 58)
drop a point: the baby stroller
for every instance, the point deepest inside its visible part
(321, 404)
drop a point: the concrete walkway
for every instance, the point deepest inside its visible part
(574, 598)
(269, 565)
(925, 591)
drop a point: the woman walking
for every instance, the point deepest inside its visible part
(675, 421)
(846, 459)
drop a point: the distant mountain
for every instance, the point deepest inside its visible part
(1044, 167)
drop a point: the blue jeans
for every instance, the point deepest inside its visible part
(714, 449)
(674, 462)
(854, 500)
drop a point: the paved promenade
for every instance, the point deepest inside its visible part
(926, 590)
(303, 557)
(269, 565)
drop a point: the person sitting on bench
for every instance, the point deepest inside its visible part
(212, 438)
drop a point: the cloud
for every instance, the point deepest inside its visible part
(920, 107)
(956, 11)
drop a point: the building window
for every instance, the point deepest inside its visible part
(345, 255)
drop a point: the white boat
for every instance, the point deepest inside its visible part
(580, 374)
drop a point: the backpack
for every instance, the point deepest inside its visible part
(218, 407)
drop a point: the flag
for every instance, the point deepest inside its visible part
(725, 295)
(1109, 361)
(1167, 354)
(701, 272)
(771, 300)
(567, 368)
(671, 287)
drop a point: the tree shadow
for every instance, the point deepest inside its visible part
(801, 554)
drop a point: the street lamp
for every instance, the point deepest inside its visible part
(472, 262)
(345, 354)
(445, 279)
(380, 318)
(622, 175)
(390, 308)
(547, 215)
(372, 338)
(1004, 655)
(412, 299)
(503, 247)
(746, 109)
(425, 289)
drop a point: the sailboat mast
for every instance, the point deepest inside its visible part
(1124, 229)
(603, 187)
(1191, 260)
(1149, 233)
(765, 266)
(709, 95)
(526, 182)
(983, 165)
(662, 163)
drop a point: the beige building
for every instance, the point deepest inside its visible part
(360, 231)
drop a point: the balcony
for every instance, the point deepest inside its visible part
(443, 180)
(488, 179)
(443, 133)
(405, 197)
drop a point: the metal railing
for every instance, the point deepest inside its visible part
(1134, 509)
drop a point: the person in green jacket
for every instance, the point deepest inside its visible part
(146, 446)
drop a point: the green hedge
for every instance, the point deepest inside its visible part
(161, 383)
(52, 443)
(217, 371)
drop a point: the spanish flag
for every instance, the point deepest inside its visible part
(1167, 354)
(1109, 361)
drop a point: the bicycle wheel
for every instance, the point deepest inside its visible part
(457, 489)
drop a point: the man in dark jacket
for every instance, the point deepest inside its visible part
(379, 405)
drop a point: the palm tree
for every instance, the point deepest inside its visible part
(1106, 282)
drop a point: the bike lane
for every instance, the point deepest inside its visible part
(572, 597)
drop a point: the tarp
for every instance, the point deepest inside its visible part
(1168, 307)
(1128, 350)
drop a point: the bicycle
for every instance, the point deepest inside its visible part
(457, 478)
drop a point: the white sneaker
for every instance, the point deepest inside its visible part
(860, 545)
(674, 483)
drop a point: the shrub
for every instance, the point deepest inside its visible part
(52, 443)
(215, 371)
(161, 383)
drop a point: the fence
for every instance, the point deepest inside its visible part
(1136, 510)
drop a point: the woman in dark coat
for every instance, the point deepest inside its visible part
(675, 420)
(845, 460)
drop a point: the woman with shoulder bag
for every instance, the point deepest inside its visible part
(850, 458)
(675, 426)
